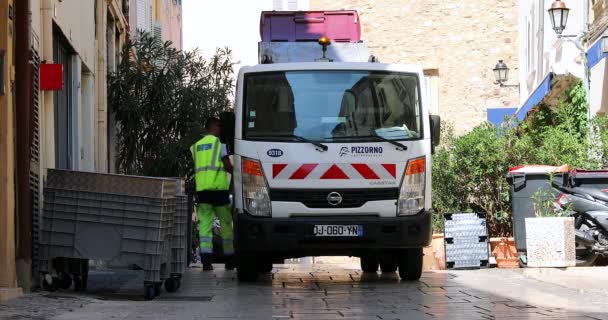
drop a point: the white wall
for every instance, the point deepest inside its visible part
(540, 50)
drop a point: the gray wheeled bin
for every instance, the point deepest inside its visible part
(125, 220)
(525, 182)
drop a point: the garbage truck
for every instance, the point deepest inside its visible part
(331, 150)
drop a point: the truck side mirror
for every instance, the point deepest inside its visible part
(435, 131)
(227, 122)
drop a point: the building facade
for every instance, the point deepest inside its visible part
(65, 127)
(596, 59)
(457, 43)
(163, 18)
(8, 277)
(549, 65)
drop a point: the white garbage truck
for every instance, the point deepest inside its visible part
(332, 150)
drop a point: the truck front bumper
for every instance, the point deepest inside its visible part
(292, 237)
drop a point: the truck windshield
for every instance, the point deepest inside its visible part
(345, 106)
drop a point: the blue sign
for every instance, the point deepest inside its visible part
(275, 153)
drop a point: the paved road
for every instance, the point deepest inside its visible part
(322, 292)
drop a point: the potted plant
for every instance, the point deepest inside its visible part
(549, 236)
(505, 252)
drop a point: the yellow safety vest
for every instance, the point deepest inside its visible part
(209, 172)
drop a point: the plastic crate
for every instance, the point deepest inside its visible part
(466, 254)
(111, 183)
(180, 230)
(292, 26)
(466, 240)
(122, 229)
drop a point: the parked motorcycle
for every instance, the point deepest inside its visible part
(589, 208)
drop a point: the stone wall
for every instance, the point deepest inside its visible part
(461, 40)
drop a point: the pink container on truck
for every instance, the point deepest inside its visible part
(292, 26)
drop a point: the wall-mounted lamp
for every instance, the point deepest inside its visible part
(501, 73)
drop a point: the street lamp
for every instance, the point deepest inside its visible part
(559, 16)
(604, 41)
(501, 73)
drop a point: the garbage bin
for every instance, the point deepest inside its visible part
(525, 182)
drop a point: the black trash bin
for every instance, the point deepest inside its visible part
(525, 181)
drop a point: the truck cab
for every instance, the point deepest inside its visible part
(331, 158)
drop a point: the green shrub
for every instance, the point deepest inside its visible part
(469, 172)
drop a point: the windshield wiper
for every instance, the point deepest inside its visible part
(319, 145)
(400, 146)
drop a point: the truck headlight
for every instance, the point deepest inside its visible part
(411, 193)
(256, 199)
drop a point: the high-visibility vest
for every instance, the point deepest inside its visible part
(209, 172)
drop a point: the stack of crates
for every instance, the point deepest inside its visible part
(125, 220)
(466, 241)
(179, 242)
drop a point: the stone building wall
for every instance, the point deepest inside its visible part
(460, 40)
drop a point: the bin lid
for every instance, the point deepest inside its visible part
(538, 169)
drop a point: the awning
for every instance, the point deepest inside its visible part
(536, 97)
(496, 116)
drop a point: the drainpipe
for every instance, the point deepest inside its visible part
(23, 99)
(586, 80)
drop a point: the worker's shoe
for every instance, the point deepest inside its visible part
(207, 267)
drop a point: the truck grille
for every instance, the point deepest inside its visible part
(351, 198)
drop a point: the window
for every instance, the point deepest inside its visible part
(332, 105)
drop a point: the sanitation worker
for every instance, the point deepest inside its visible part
(211, 168)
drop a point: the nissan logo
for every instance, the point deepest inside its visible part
(334, 199)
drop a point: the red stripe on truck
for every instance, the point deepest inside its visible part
(303, 171)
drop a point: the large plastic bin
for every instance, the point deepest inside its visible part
(124, 230)
(292, 26)
(124, 220)
(179, 246)
(525, 182)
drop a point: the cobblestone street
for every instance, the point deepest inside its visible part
(321, 292)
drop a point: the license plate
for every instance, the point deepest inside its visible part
(337, 230)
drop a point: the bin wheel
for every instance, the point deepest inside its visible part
(157, 288)
(149, 292)
(47, 282)
(171, 284)
(410, 264)
(388, 264)
(65, 281)
(369, 263)
(80, 283)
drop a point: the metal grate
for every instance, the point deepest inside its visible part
(466, 240)
(352, 198)
(35, 157)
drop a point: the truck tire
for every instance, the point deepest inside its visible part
(246, 268)
(388, 263)
(265, 266)
(369, 263)
(410, 264)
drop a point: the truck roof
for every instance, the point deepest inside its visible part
(366, 66)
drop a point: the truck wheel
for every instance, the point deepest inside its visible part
(410, 264)
(265, 266)
(246, 268)
(369, 263)
(388, 263)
